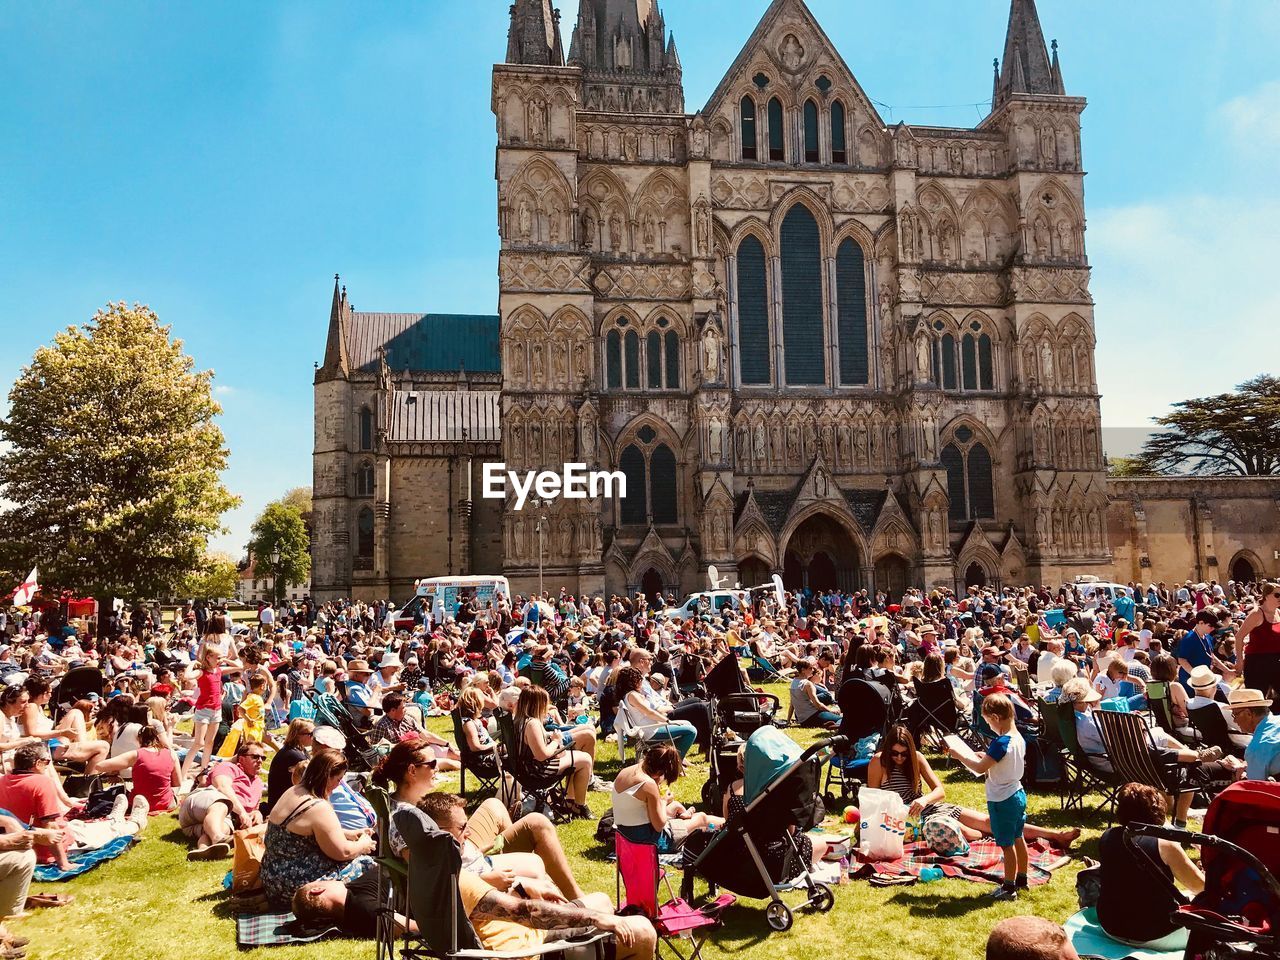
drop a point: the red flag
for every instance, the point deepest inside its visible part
(23, 596)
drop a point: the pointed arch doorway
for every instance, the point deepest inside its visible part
(651, 586)
(821, 555)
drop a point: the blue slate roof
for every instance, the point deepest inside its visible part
(424, 343)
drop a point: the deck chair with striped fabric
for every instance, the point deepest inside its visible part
(1134, 755)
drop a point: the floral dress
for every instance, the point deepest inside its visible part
(291, 860)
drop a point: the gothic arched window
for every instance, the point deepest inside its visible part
(811, 132)
(777, 138)
(839, 153)
(753, 313)
(631, 463)
(802, 339)
(366, 428)
(662, 485)
(945, 363)
(653, 347)
(632, 355)
(851, 304)
(364, 534)
(970, 480)
(613, 360)
(673, 360)
(364, 480)
(652, 488)
(748, 129)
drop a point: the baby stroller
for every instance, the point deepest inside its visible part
(736, 713)
(865, 710)
(76, 685)
(361, 755)
(780, 793)
(1238, 915)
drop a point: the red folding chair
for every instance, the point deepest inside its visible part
(639, 874)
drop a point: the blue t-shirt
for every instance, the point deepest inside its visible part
(1196, 650)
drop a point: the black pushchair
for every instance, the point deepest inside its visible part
(736, 713)
(1238, 914)
(781, 797)
(361, 755)
(76, 685)
(865, 710)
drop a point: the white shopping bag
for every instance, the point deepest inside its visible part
(883, 826)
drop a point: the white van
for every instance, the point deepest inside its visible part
(707, 601)
(1095, 592)
(436, 598)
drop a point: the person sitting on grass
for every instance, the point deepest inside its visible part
(644, 810)
(304, 840)
(529, 847)
(891, 769)
(805, 706)
(17, 867)
(1006, 800)
(534, 910)
(229, 801)
(154, 769)
(63, 745)
(1132, 908)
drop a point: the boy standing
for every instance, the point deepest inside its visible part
(1006, 800)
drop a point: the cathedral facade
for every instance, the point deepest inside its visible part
(852, 353)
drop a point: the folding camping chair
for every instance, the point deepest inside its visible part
(434, 904)
(639, 875)
(1212, 727)
(1134, 756)
(637, 734)
(1161, 706)
(394, 872)
(1022, 677)
(864, 711)
(1083, 773)
(935, 709)
(1051, 738)
(547, 792)
(485, 766)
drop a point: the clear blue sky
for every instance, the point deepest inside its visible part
(221, 161)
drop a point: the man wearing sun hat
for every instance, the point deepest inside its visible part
(360, 697)
(1210, 691)
(1251, 711)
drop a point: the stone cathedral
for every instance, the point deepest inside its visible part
(852, 353)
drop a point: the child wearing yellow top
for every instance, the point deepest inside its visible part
(253, 712)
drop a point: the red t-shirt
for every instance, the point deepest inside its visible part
(32, 798)
(153, 779)
(209, 690)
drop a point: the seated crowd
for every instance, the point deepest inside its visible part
(545, 680)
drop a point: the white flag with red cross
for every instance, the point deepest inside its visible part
(26, 593)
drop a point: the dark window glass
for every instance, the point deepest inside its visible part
(662, 485)
(631, 464)
(647, 434)
(948, 347)
(802, 298)
(838, 151)
(364, 533)
(653, 347)
(954, 465)
(673, 360)
(366, 429)
(633, 359)
(969, 362)
(851, 300)
(777, 142)
(613, 359)
(964, 434)
(748, 129)
(986, 368)
(982, 500)
(753, 313)
(810, 132)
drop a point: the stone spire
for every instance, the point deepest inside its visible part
(1026, 67)
(534, 34)
(629, 65)
(335, 365)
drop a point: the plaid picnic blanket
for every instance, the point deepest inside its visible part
(274, 930)
(982, 864)
(83, 860)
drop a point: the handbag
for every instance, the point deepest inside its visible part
(102, 799)
(249, 846)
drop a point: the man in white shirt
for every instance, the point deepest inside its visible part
(266, 617)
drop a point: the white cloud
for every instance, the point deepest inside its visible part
(1254, 119)
(1186, 300)
(222, 390)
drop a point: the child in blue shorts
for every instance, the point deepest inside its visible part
(1006, 800)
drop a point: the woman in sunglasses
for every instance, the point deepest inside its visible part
(900, 767)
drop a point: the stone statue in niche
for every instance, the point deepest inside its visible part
(539, 365)
(954, 158)
(704, 231)
(561, 367)
(588, 231)
(1041, 453)
(711, 353)
(1046, 361)
(906, 230)
(615, 233)
(1095, 534)
(793, 444)
(581, 365)
(1042, 526)
(1046, 143)
(923, 345)
(698, 144)
(744, 444)
(535, 122)
(587, 441)
(518, 538)
(935, 529)
(650, 232)
(566, 537)
(758, 443)
(1066, 242)
(792, 53)
(1041, 237)
(929, 439)
(524, 221)
(553, 227)
(946, 240)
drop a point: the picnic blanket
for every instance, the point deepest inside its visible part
(1090, 941)
(83, 860)
(983, 863)
(275, 930)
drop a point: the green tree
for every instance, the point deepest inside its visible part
(215, 578)
(299, 498)
(1231, 433)
(1123, 467)
(113, 460)
(280, 527)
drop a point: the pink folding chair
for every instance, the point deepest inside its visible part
(639, 875)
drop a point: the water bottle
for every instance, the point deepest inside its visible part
(844, 870)
(930, 874)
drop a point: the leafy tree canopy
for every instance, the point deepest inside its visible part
(280, 527)
(1231, 433)
(215, 579)
(112, 469)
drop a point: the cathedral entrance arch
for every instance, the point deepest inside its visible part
(821, 555)
(975, 575)
(752, 572)
(1243, 570)
(651, 586)
(892, 573)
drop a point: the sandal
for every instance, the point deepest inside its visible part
(214, 851)
(50, 899)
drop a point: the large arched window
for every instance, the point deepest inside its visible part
(945, 363)
(637, 360)
(753, 313)
(366, 428)
(851, 302)
(777, 133)
(652, 487)
(970, 483)
(802, 338)
(811, 132)
(965, 362)
(748, 129)
(839, 153)
(364, 534)
(364, 479)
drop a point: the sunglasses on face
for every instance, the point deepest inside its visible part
(898, 754)
(256, 756)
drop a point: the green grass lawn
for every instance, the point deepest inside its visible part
(152, 903)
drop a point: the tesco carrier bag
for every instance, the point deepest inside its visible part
(884, 824)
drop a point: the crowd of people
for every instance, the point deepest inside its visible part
(193, 707)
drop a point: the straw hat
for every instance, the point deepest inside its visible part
(358, 666)
(1202, 678)
(1247, 698)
